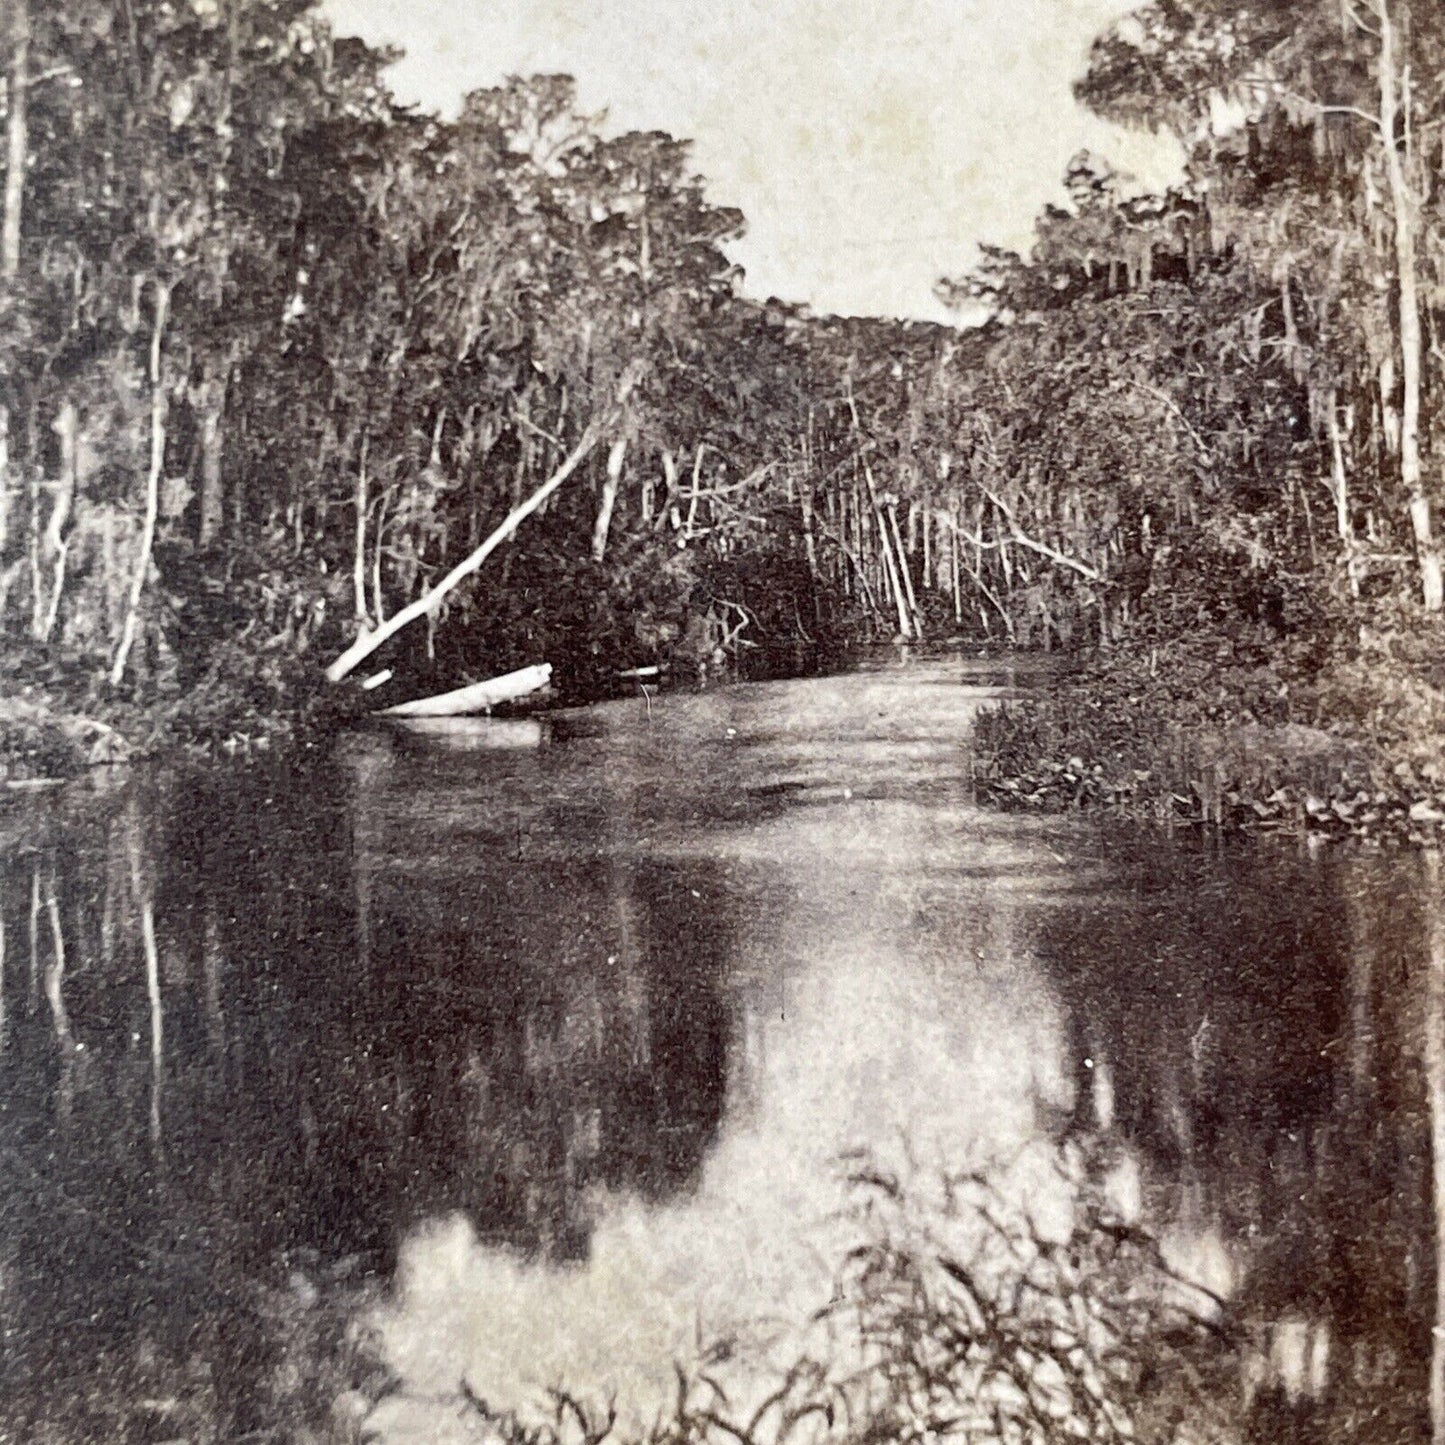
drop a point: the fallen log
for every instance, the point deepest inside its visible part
(477, 697)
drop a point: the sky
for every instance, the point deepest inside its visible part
(872, 144)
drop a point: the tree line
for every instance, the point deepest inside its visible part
(296, 381)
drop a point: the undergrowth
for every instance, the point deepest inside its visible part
(954, 1316)
(1260, 731)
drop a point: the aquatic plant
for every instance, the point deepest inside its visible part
(960, 1312)
(978, 1321)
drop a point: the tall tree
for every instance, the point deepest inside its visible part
(17, 137)
(1365, 82)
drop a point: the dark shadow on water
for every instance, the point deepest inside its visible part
(1248, 1019)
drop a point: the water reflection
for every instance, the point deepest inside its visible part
(572, 1033)
(247, 1036)
(1263, 1030)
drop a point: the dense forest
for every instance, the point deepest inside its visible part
(298, 384)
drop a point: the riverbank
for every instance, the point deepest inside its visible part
(57, 720)
(1246, 732)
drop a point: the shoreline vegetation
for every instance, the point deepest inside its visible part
(301, 386)
(1231, 737)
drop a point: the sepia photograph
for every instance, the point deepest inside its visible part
(722, 722)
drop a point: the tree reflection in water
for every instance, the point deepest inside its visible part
(211, 1115)
(1264, 1026)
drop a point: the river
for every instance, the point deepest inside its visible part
(571, 1054)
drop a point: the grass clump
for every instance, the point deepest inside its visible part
(957, 1314)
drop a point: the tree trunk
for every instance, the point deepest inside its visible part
(1405, 206)
(358, 571)
(153, 487)
(915, 615)
(891, 568)
(1340, 494)
(4, 489)
(905, 626)
(57, 544)
(615, 455)
(378, 541)
(368, 642)
(17, 140)
(476, 697)
(810, 544)
(213, 412)
(954, 542)
(8, 573)
(669, 497)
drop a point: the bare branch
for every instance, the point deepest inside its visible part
(1022, 538)
(1206, 455)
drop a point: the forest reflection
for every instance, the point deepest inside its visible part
(215, 1065)
(620, 1004)
(1262, 1034)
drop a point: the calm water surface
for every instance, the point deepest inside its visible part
(547, 1041)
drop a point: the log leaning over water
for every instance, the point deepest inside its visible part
(368, 642)
(428, 602)
(477, 696)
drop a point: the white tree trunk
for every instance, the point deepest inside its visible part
(358, 570)
(17, 140)
(615, 456)
(153, 487)
(1340, 495)
(476, 697)
(1405, 206)
(368, 642)
(57, 544)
